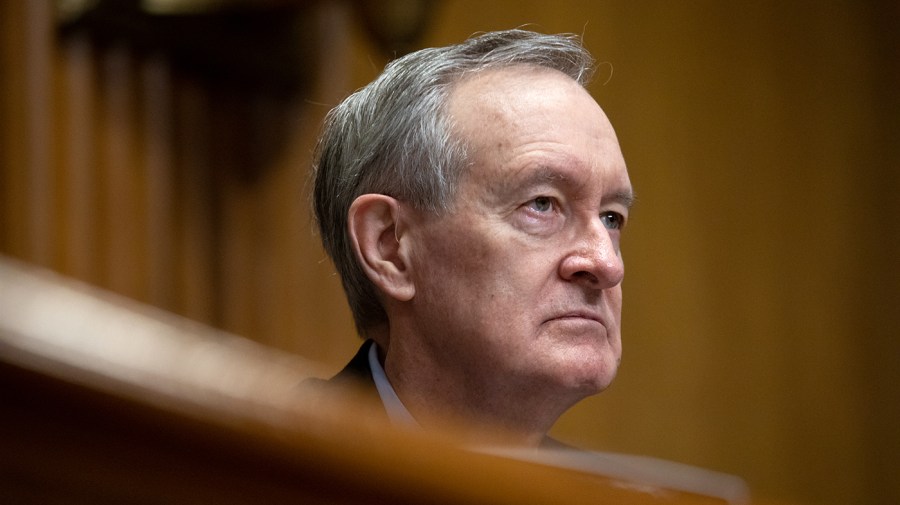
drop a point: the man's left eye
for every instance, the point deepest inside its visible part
(541, 204)
(612, 220)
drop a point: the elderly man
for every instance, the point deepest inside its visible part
(473, 199)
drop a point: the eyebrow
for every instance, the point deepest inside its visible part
(625, 198)
(546, 174)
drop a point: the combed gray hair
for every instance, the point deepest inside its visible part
(393, 137)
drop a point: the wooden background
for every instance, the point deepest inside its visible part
(763, 139)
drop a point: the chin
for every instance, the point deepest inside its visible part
(591, 376)
(596, 384)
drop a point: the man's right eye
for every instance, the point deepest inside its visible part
(541, 204)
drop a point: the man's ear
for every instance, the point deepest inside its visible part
(376, 233)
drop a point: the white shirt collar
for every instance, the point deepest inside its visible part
(396, 411)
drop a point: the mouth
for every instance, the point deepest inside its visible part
(578, 315)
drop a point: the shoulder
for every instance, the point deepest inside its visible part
(356, 376)
(353, 385)
(358, 369)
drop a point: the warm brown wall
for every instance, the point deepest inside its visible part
(762, 290)
(761, 295)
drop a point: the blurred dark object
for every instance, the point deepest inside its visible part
(396, 25)
(265, 46)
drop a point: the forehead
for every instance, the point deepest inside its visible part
(534, 123)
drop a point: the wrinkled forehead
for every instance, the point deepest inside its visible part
(518, 106)
(496, 106)
(503, 88)
(527, 126)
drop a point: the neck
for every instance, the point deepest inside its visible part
(483, 409)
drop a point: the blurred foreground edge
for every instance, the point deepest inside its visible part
(105, 400)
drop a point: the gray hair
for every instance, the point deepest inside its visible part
(393, 137)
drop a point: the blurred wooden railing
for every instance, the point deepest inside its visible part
(108, 401)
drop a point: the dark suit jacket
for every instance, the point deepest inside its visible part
(355, 378)
(357, 370)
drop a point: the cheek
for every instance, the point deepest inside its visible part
(454, 252)
(468, 279)
(615, 300)
(449, 267)
(614, 309)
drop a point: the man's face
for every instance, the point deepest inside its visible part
(518, 288)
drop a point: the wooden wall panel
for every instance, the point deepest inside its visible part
(11, 112)
(194, 232)
(127, 170)
(157, 110)
(79, 175)
(121, 176)
(40, 185)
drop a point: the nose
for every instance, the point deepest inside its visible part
(595, 261)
